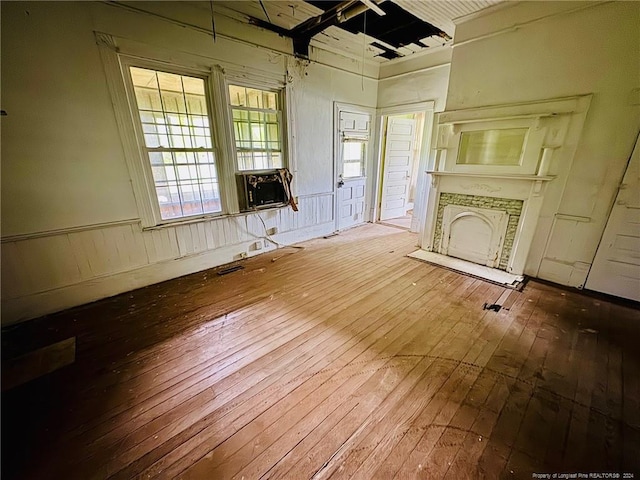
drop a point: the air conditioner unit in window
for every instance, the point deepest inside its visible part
(262, 189)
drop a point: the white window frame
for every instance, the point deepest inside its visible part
(269, 84)
(149, 184)
(278, 88)
(364, 142)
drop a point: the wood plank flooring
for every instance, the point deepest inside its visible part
(343, 360)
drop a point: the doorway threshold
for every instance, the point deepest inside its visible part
(483, 272)
(403, 223)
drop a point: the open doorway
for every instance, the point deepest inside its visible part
(401, 149)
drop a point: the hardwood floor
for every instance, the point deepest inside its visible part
(345, 359)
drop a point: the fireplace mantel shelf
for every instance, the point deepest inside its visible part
(504, 176)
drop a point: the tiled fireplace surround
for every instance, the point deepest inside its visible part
(512, 207)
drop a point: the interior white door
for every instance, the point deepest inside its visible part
(398, 158)
(351, 197)
(616, 267)
(351, 166)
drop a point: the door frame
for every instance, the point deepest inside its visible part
(369, 167)
(426, 158)
(597, 278)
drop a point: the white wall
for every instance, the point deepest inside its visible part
(317, 88)
(540, 50)
(408, 82)
(62, 160)
(70, 226)
(416, 80)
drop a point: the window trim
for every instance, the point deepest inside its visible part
(126, 62)
(270, 86)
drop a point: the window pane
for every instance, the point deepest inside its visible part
(173, 102)
(188, 186)
(160, 175)
(353, 151)
(240, 115)
(142, 77)
(273, 132)
(152, 140)
(276, 160)
(492, 147)
(205, 172)
(353, 157)
(191, 199)
(245, 161)
(169, 206)
(156, 158)
(176, 100)
(269, 100)
(254, 98)
(210, 197)
(256, 128)
(174, 115)
(237, 96)
(352, 170)
(194, 86)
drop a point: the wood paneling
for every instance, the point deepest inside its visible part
(46, 262)
(345, 359)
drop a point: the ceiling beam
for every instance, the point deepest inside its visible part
(374, 7)
(301, 34)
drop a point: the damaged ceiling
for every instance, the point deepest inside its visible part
(376, 30)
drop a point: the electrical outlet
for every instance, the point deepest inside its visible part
(243, 255)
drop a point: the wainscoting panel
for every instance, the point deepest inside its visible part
(51, 271)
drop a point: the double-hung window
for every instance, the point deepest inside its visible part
(177, 123)
(176, 127)
(257, 127)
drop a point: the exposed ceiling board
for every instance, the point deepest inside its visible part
(442, 12)
(433, 41)
(409, 27)
(397, 28)
(285, 14)
(387, 53)
(341, 40)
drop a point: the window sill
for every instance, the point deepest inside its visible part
(209, 218)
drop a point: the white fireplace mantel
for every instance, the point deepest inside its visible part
(528, 188)
(537, 178)
(505, 176)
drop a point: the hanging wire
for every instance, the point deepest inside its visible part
(265, 11)
(213, 23)
(364, 45)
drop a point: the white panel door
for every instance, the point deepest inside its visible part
(351, 196)
(398, 158)
(616, 267)
(351, 163)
